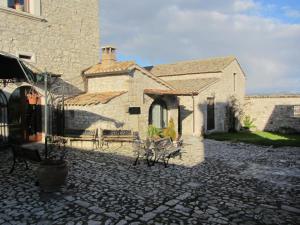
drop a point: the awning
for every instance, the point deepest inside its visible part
(12, 68)
(169, 92)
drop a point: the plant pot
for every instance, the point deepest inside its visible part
(32, 99)
(52, 175)
(19, 7)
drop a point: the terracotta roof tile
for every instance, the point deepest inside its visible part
(93, 98)
(192, 67)
(107, 68)
(193, 84)
(168, 92)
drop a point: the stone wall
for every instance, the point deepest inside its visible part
(114, 114)
(273, 113)
(108, 83)
(64, 39)
(194, 112)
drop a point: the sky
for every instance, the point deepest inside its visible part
(264, 35)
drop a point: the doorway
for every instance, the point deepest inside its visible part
(25, 115)
(210, 113)
(158, 114)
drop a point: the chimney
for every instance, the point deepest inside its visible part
(108, 55)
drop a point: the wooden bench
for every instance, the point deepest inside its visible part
(24, 154)
(75, 135)
(116, 136)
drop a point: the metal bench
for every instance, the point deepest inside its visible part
(142, 150)
(24, 154)
(116, 136)
(76, 135)
(165, 150)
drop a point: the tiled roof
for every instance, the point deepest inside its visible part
(92, 98)
(108, 68)
(192, 67)
(193, 84)
(168, 92)
(273, 96)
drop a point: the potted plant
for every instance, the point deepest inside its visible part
(153, 132)
(32, 97)
(19, 6)
(53, 170)
(170, 130)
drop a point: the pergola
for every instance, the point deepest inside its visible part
(13, 69)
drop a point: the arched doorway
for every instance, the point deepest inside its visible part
(3, 118)
(24, 115)
(158, 114)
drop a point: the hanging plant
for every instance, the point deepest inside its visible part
(32, 97)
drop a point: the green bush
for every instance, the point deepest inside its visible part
(170, 130)
(248, 122)
(153, 132)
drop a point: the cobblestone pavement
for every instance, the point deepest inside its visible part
(236, 184)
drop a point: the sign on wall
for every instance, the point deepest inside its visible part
(134, 110)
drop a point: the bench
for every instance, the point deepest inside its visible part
(116, 136)
(24, 154)
(165, 150)
(75, 135)
(142, 150)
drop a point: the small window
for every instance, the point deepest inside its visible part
(296, 111)
(29, 6)
(26, 56)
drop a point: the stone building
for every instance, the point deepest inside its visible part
(277, 113)
(60, 37)
(123, 95)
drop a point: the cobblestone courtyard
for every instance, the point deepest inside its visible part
(236, 184)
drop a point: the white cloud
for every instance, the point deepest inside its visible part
(244, 5)
(292, 13)
(173, 30)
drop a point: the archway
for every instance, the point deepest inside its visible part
(158, 114)
(25, 115)
(3, 118)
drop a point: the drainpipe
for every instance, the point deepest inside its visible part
(46, 112)
(193, 114)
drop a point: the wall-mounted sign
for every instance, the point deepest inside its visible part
(134, 110)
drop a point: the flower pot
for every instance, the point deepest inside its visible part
(32, 100)
(19, 7)
(52, 175)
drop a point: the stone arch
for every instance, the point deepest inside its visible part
(158, 113)
(25, 114)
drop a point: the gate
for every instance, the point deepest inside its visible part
(3, 118)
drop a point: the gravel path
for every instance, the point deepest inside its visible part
(215, 183)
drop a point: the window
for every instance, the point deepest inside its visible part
(296, 110)
(27, 56)
(29, 6)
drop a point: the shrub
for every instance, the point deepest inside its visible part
(170, 130)
(248, 122)
(153, 132)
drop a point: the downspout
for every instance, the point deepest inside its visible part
(193, 113)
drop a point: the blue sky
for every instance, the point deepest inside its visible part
(264, 35)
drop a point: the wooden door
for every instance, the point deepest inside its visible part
(210, 113)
